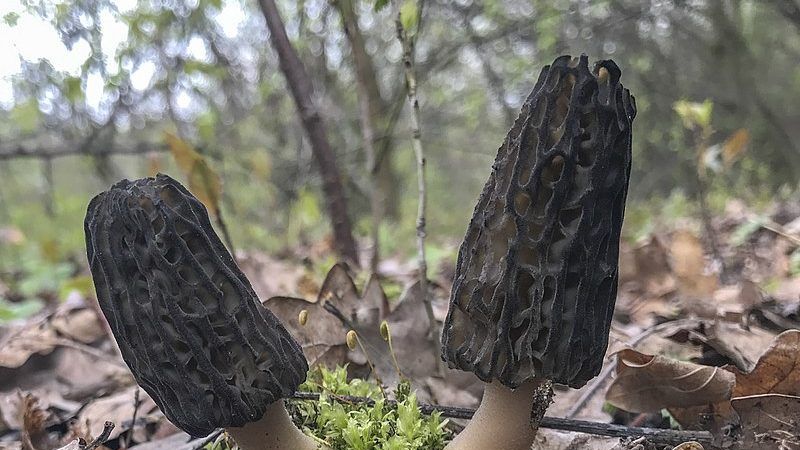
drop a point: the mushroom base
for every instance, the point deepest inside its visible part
(274, 431)
(507, 419)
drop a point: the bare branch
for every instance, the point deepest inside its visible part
(47, 152)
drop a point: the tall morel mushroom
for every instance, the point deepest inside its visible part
(536, 279)
(186, 319)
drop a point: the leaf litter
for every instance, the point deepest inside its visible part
(733, 369)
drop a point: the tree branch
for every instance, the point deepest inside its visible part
(654, 435)
(44, 152)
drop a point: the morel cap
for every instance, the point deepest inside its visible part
(536, 279)
(185, 318)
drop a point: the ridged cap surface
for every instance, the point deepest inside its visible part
(536, 278)
(186, 319)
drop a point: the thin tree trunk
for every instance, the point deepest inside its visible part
(407, 42)
(370, 105)
(384, 178)
(301, 89)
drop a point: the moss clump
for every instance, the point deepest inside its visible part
(380, 426)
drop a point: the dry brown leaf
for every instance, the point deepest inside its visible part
(272, 277)
(34, 420)
(323, 336)
(409, 326)
(689, 266)
(741, 346)
(178, 441)
(562, 440)
(735, 146)
(653, 269)
(374, 295)
(777, 370)
(81, 325)
(339, 289)
(691, 445)
(768, 412)
(204, 182)
(117, 408)
(647, 383)
(74, 445)
(21, 343)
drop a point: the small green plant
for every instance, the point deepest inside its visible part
(360, 426)
(379, 426)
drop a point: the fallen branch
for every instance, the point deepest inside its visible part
(654, 435)
(100, 440)
(780, 231)
(23, 151)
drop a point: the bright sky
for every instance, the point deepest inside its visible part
(33, 38)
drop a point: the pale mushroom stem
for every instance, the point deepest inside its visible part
(274, 431)
(506, 419)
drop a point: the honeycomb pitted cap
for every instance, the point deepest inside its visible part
(536, 278)
(187, 322)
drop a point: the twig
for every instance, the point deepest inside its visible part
(23, 151)
(407, 41)
(600, 380)
(780, 231)
(100, 440)
(210, 438)
(136, 404)
(655, 435)
(62, 342)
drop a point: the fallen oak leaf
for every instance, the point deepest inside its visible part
(768, 412)
(777, 370)
(322, 337)
(647, 383)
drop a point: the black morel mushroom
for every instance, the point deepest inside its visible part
(536, 279)
(186, 319)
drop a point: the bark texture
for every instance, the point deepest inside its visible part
(302, 92)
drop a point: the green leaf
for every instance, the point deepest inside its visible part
(743, 232)
(19, 310)
(794, 263)
(408, 15)
(11, 19)
(26, 116)
(694, 114)
(380, 4)
(73, 89)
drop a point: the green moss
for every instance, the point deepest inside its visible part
(346, 426)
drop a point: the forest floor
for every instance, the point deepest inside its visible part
(706, 336)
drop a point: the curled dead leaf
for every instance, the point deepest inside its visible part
(18, 345)
(777, 370)
(81, 325)
(691, 445)
(647, 383)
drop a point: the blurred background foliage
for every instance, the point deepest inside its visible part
(114, 89)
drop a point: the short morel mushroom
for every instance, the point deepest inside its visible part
(536, 279)
(186, 320)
